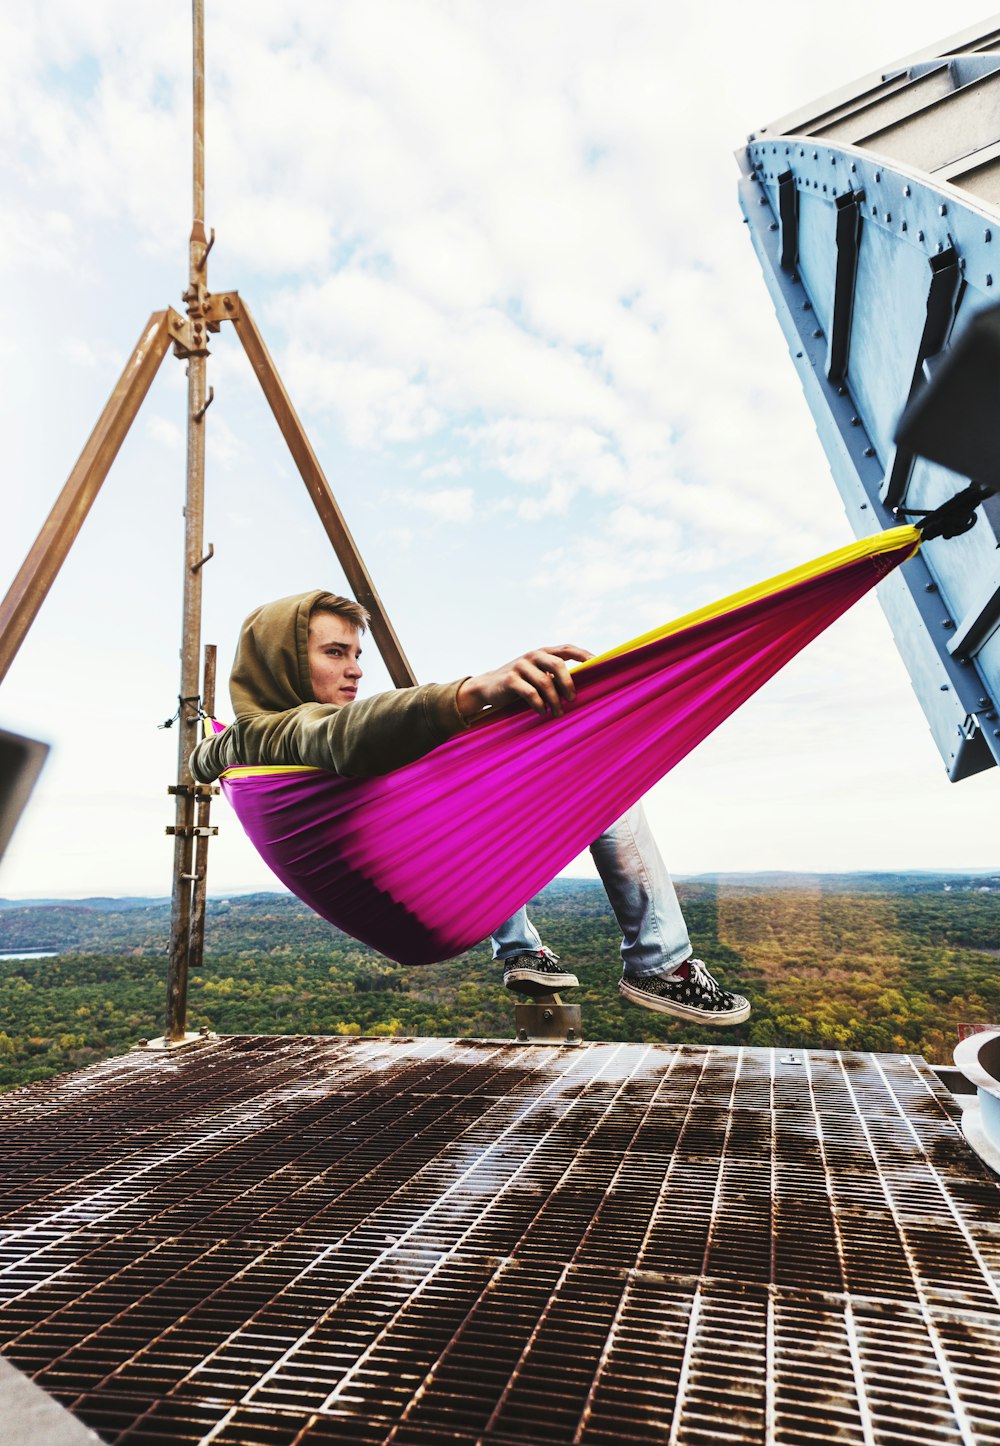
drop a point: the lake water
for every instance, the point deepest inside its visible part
(32, 954)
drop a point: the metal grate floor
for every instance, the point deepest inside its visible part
(290, 1240)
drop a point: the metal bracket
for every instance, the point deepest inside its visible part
(208, 246)
(548, 1021)
(188, 336)
(163, 1045)
(788, 215)
(848, 209)
(194, 790)
(220, 306)
(188, 831)
(943, 295)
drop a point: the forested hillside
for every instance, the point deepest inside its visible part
(877, 962)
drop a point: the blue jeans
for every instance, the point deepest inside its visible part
(641, 894)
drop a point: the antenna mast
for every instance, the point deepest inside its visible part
(192, 800)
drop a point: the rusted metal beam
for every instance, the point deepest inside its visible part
(323, 499)
(189, 713)
(199, 884)
(62, 526)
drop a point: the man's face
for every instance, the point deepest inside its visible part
(334, 650)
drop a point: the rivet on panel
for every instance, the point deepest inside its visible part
(920, 235)
(906, 190)
(869, 451)
(942, 210)
(987, 235)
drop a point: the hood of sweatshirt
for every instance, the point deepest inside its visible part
(271, 670)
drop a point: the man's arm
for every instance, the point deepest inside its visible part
(539, 678)
(375, 735)
(359, 740)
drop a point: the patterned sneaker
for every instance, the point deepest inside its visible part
(536, 971)
(696, 996)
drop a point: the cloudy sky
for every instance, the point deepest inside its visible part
(497, 253)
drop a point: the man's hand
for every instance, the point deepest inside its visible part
(539, 678)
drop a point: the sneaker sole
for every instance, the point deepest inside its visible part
(528, 981)
(717, 1017)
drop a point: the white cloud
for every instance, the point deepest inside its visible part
(447, 504)
(495, 248)
(80, 352)
(165, 433)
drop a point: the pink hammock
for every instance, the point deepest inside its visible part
(428, 860)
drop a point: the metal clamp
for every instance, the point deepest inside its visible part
(194, 790)
(188, 337)
(546, 1020)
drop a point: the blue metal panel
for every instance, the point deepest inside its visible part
(818, 255)
(886, 330)
(911, 230)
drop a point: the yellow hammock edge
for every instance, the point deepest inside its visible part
(888, 541)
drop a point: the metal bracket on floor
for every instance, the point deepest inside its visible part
(546, 1020)
(163, 1045)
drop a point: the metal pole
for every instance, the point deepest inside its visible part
(204, 811)
(180, 913)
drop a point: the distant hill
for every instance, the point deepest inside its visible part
(888, 881)
(912, 881)
(879, 961)
(125, 902)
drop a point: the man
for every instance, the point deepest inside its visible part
(294, 689)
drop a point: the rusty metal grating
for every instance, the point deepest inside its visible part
(282, 1241)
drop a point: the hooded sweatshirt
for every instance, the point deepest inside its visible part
(278, 721)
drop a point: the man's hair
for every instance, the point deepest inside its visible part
(341, 607)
